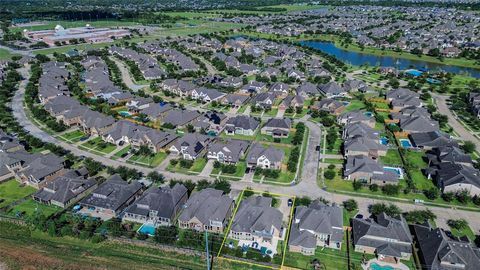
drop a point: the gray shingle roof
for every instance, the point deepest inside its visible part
(207, 205)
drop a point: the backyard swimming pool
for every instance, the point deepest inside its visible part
(375, 266)
(124, 113)
(368, 114)
(147, 229)
(405, 143)
(397, 171)
(384, 140)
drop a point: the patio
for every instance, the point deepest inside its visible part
(375, 264)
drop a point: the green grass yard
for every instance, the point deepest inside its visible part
(355, 105)
(122, 151)
(196, 168)
(149, 161)
(73, 136)
(392, 158)
(97, 146)
(30, 206)
(12, 190)
(464, 232)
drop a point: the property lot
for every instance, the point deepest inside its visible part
(11, 191)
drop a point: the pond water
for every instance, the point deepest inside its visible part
(358, 59)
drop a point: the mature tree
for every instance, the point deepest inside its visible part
(391, 209)
(350, 205)
(420, 216)
(469, 147)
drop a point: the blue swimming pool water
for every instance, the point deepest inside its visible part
(433, 81)
(124, 113)
(368, 114)
(147, 229)
(405, 143)
(384, 141)
(375, 266)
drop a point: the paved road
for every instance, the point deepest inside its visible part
(464, 134)
(307, 187)
(127, 79)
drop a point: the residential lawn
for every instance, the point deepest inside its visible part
(333, 161)
(347, 216)
(238, 136)
(381, 105)
(30, 206)
(11, 191)
(123, 151)
(273, 112)
(415, 159)
(269, 138)
(98, 146)
(464, 232)
(355, 105)
(149, 161)
(392, 158)
(218, 108)
(242, 109)
(73, 136)
(5, 54)
(336, 148)
(330, 258)
(196, 168)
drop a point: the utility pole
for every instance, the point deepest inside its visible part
(206, 249)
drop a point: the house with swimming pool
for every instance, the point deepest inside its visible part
(157, 206)
(111, 198)
(258, 225)
(207, 210)
(364, 169)
(387, 237)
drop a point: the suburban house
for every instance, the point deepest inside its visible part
(332, 89)
(207, 210)
(387, 237)
(32, 169)
(111, 198)
(279, 88)
(206, 94)
(277, 127)
(402, 97)
(419, 124)
(229, 151)
(329, 105)
(257, 224)
(431, 140)
(440, 250)
(364, 169)
(356, 116)
(264, 100)
(265, 158)
(360, 145)
(190, 146)
(235, 100)
(65, 190)
(157, 206)
(307, 89)
(180, 118)
(241, 125)
(353, 85)
(296, 101)
(453, 177)
(450, 154)
(316, 225)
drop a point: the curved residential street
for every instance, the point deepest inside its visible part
(306, 187)
(127, 79)
(464, 134)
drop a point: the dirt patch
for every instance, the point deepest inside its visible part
(3, 266)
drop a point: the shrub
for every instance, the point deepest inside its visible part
(431, 194)
(378, 208)
(390, 190)
(350, 205)
(357, 185)
(373, 187)
(329, 174)
(458, 224)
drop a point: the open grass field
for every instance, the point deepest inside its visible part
(11, 191)
(22, 249)
(30, 206)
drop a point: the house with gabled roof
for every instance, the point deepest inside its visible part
(257, 224)
(366, 170)
(190, 146)
(242, 125)
(207, 210)
(264, 157)
(65, 190)
(277, 127)
(316, 225)
(387, 237)
(228, 151)
(111, 198)
(158, 206)
(332, 89)
(332, 106)
(440, 250)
